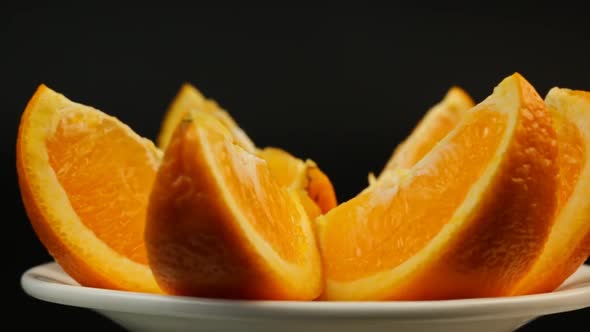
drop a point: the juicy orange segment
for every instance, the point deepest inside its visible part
(219, 224)
(289, 171)
(190, 99)
(319, 188)
(568, 245)
(306, 177)
(468, 220)
(435, 125)
(85, 179)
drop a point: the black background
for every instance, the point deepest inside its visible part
(342, 87)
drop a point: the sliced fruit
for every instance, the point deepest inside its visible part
(468, 220)
(435, 125)
(305, 177)
(396, 174)
(289, 171)
(568, 245)
(85, 180)
(190, 99)
(220, 225)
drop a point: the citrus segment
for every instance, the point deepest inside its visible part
(435, 125)
(568, 245)
(190, 99)
(220, 225)
(288, 170)
(305, 176)
(85, 179)
(468, 220)
(319, 188)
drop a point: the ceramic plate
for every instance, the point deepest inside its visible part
(145, 312)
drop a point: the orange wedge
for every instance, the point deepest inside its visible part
(568, 245)
(220, 225)
(435, 125)
(291, 172)
(190, 99)
(468, 220)
(316, 190)
(85, 180)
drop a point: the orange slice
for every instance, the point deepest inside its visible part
(468, 220)
(85, 179)
(568, 245)
(289, 171)
(190, 99)
(435, 125)
(220, 225)
(314, 186)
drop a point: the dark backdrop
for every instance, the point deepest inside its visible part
(342, 87)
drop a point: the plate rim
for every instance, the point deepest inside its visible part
(40, 286)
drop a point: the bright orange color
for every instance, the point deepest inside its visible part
(468, 220)
(293, 172)
(289, 171)
(190, 99)
(220, 225)
(568, 245)
(433, 127)
(85, 179)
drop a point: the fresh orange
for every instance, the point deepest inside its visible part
(435, 125)
(289, 171)
(219, 224)
(568, 245)
(190, 99)
(468, 220)
(85, 180)
(305, 176)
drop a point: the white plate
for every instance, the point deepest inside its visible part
(145, 312)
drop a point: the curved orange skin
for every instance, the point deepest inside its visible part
(77, 267)
(226, 253)
(476, 266)
(195, 246)
(66, 253)
(497, 241)
(568, 245)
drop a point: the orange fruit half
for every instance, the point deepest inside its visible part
(568, 245)
(219, 224)
(289, 171)
(468, 220)
(435, 125)
(85, 180)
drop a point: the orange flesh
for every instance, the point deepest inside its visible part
(284, 167)
(84, 162)
(292, 172)
(259, 198)
(320, 189)
(391, 234)
(444, 126)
